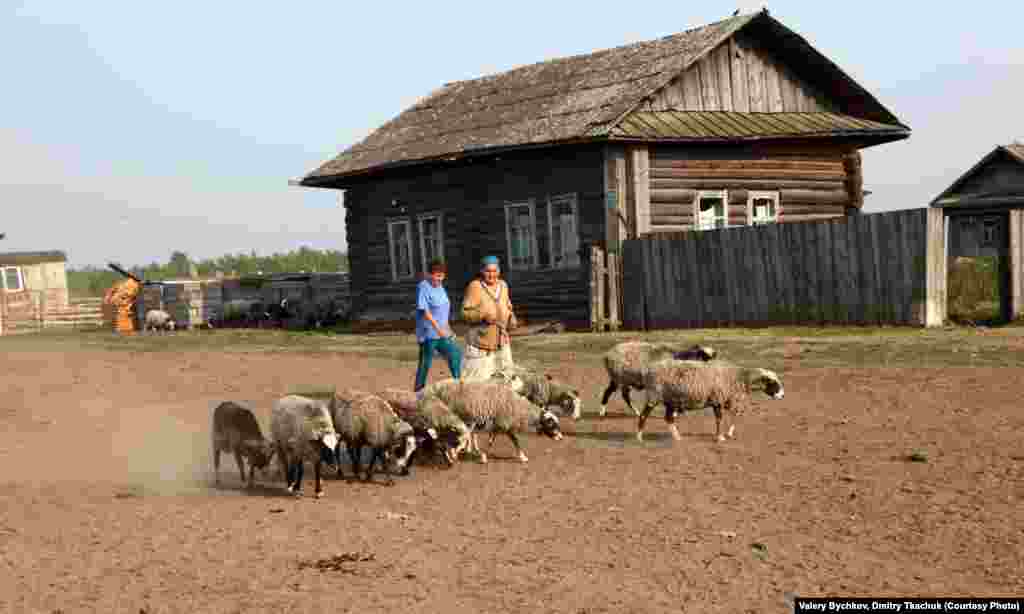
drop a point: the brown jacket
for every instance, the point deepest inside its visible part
(478, 304)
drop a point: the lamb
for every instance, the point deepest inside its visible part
(433, 422)
(158, 319)
(366, 419)
(627, 364)
(691, 384)
(236, 430)
(496, 407)
(303, 430)
(544, 391)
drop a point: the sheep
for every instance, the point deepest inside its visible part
(366, 419)
(544, 391)
(236, 430)
(433, 422)
(693, 384)
(627, 363)
(158, 319)
(496, 407)
(303, 430)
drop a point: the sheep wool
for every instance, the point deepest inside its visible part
(365, 419)
(494, 407)
(627, 364)
(431, 418)
(303, 431)
(236, 431)
(686, 384)
(158, 319)
(544, 391)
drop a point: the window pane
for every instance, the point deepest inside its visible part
(11, 279)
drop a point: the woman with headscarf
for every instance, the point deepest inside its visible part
(487, 308)
(433, 332)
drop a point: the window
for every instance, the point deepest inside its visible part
(400, 248)
(431, 239)
(563, 235)
(712, 211)
(521, 235)
(13, 281)
(989, 232)
(762, 208)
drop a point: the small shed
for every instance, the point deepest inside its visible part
(984, 211)
(42, 274)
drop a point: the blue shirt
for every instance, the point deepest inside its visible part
(436, 300)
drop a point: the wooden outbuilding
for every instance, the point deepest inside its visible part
(738, 122)
(984, 210)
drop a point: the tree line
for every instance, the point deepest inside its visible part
(94, 281)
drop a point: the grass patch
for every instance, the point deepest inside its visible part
(918, 456)
(779, 349)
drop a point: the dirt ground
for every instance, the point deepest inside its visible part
(106, 503)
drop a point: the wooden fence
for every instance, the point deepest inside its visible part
(879, 268)
(35, 310)
(605, 290)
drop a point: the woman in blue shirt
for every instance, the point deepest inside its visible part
(432, 330)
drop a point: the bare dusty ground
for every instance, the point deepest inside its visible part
(106, 503)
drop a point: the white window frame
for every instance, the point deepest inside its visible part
(21, 278)
(753, 195)
(423, 244)
(723, 194)
(533, 234)
(391, 249)
(573, 259)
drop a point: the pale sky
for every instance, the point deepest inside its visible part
(129, 130)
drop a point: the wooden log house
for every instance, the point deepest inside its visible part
(737, 122)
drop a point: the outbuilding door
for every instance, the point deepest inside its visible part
(979, 274)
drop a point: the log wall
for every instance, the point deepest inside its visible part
(812, 183)
(471, 196)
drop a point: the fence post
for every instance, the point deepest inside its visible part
(596, 289)
(614, 293)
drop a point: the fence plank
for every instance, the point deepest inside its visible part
(691, 272)
(853, 270)
(856, 292)
(683, 303)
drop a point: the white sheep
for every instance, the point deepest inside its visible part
(691, 384)
(432, 421)
(303, 430)
(496, 407)
(159, 320)
(364, 419)
(627, 364)
(544, 391)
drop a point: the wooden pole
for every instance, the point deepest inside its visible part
(614, 295)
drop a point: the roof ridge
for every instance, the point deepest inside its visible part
(605, 50)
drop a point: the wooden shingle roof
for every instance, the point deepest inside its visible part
(949, 198)
(30, 258)
(583, 97)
